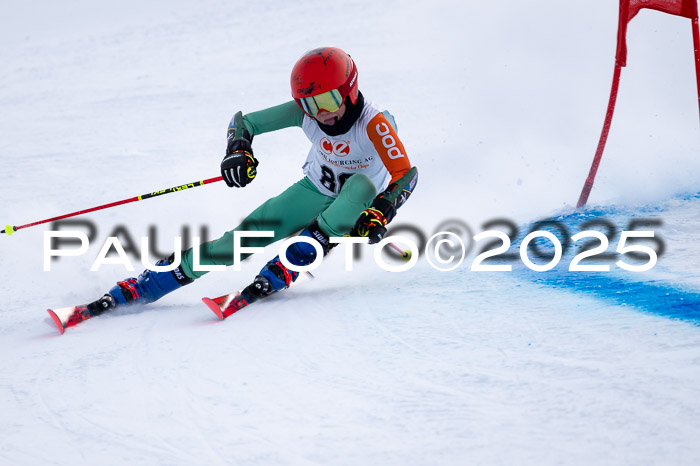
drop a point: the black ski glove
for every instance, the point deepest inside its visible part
(372, 221)
(239, 166)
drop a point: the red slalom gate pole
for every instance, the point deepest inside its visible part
(696, 46)
(9, 229)
(588, 185)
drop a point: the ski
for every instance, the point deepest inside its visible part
(72, 315)
(69, 316)
(225, 305)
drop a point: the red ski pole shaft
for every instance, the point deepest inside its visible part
(9, 229)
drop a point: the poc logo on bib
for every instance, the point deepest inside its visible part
(339, 148)
(388, 141)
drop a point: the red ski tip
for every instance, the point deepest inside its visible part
(57, 321)
(214, 307)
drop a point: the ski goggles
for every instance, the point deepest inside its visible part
(329, 101)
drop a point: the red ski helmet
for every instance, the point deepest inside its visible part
(322, 78)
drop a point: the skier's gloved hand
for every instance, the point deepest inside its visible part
(372, 221)
(239, 166)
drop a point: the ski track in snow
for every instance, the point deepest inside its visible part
(422, 367)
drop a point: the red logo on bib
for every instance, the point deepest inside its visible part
(326, 146)
(339, 148)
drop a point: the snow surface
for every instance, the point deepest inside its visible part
(499, 104)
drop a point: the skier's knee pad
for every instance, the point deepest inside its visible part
(359, 188)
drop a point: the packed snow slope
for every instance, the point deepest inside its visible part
(500, 106)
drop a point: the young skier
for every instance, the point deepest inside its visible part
(356, 175)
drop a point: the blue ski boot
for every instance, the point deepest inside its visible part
(150, 286)
(274, 276)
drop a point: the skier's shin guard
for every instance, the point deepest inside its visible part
(150, 286)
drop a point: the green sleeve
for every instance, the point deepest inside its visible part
(399, 191)
(274, 118)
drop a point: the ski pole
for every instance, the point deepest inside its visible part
(9, 229)
(405, 255)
